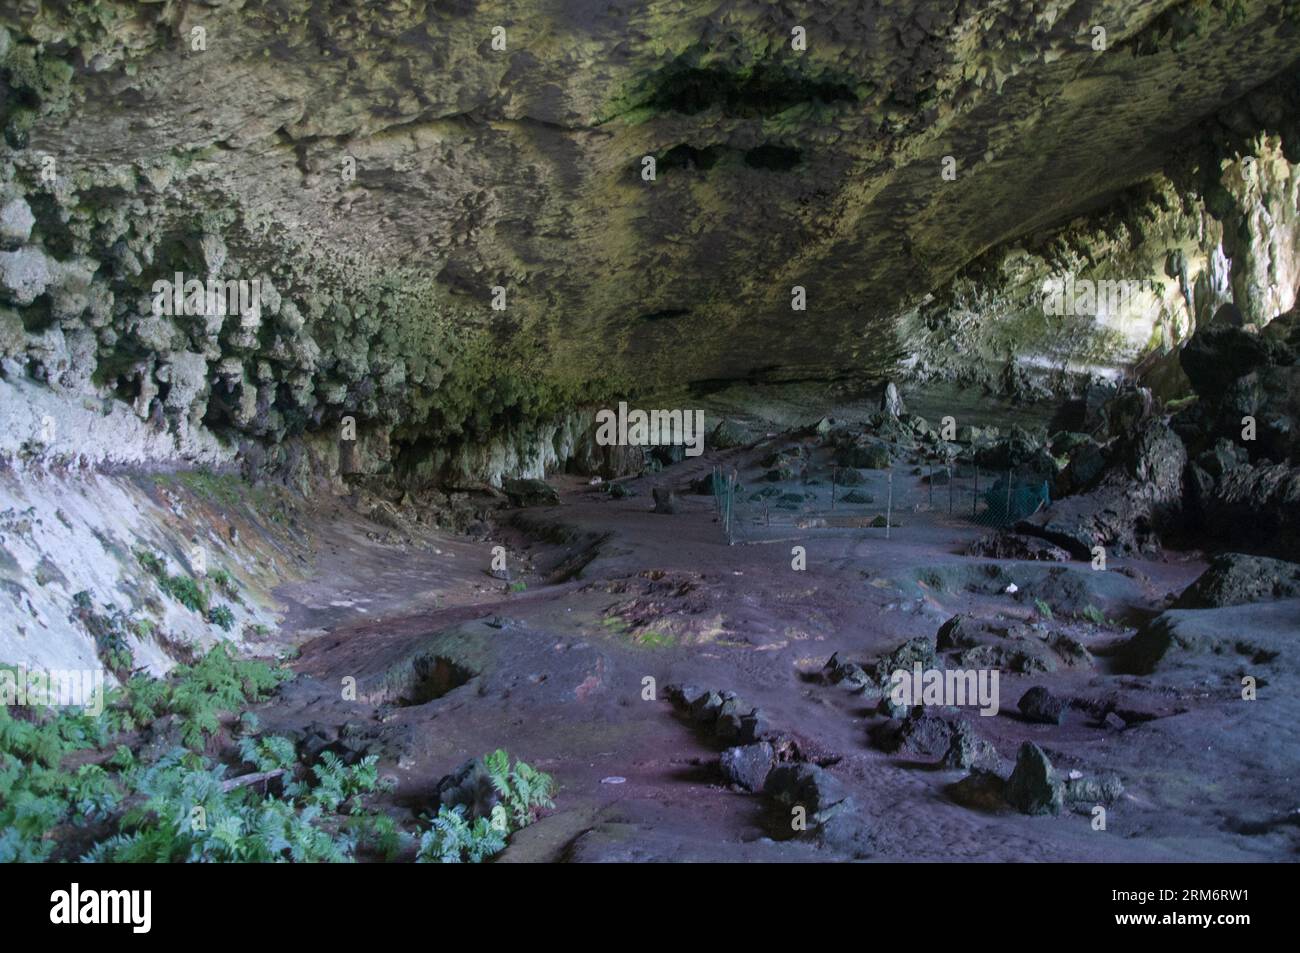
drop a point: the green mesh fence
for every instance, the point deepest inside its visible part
(1011, 499)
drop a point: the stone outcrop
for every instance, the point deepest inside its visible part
(1234, 579)
(454, 243)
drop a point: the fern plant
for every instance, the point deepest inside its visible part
(451, 839)
(523, 789)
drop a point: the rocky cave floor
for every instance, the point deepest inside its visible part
(452, 660)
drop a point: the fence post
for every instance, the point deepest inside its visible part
(731, 505)
(1007, 515)
(889, 504)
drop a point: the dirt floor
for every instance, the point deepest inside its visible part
(569, 664)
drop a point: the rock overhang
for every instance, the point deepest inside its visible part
(389, 162)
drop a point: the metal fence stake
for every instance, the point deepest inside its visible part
(1007, 515)
(889, 505)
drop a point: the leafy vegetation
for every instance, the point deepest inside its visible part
(109, 630)
(451, 839)
(187, 812)
(1094, 615)
(189, 592)
(221, 617)
(71, 787)
(522, 791)
(226, 584)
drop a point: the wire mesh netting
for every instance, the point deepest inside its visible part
(768, 506)
(1011, 499)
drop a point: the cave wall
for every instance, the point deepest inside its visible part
(1221, 230)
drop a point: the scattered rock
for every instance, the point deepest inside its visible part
(833, 818)
(1089, 792)
(921, 734)
(849, 674)
(1040, 705)
(1016, 654)
(919, 649)
(981, 790)
(967, 750)
(1006, 545)
(748, 765)
(723, 714)
(1070, 650)
(959, 632)
(665, 500)
(1033, 787)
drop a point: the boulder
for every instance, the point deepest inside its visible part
(1256, 507)
(1235, 578)
(726, 435)
(874, 456)
(1040, 705)
(1141, 494)
(1020, 451)
(530, 492)
(919, 649)
(748, 765)
(1033, 787)
(1086, 793)
(959, 632)
(665, 500)
(1005, 545)
(981, 790)
(1222, 642)
(849, 674)
(921, 733)
(1216, 357)
(967, 750)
